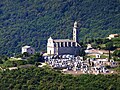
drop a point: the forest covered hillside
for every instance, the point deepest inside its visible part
(31, 22)
(34, 78)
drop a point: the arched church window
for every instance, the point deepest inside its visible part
(58, 44)
(73, 44)
(65, 44)
(61, 44)
(69, 44)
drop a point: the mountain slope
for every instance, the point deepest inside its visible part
(31, 22)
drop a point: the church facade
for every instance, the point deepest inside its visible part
(64, 46)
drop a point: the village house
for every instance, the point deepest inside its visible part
(28, 49)
(113, 36)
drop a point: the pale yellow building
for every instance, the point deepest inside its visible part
(113, 36)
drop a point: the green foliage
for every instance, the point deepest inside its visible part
(116, 53)
(47, 79)
(31, 22)
(14, 63)
(35, 58)
(38, 57)
(109, 46)
(3, 59)
(116, 42)
(22, 60)
(31, 60)
(117, 69)
(94, 45)
(116, 58)
(82, 52)
(25, 54)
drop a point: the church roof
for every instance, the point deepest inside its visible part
(63, 40)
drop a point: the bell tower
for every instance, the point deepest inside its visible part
(75, 32)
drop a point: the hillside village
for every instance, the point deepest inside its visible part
(59, 44)
(68, 56)
(63, 56)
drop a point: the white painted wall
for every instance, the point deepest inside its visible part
(29, 50)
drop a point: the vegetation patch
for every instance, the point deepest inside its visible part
(45, 78)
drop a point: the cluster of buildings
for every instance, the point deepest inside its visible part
(68, 62)
(64, 54)
(71, 63)
(100, 65)
(61, 55)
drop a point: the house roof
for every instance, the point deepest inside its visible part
(63, 40)
(115, 35)
(26, 47)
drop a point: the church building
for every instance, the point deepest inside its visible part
(64, 46)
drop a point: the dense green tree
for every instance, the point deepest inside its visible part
(109, 46)
(116, 53)
(25, 54)
(37, 57)
(116, 42)
(82, 52)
